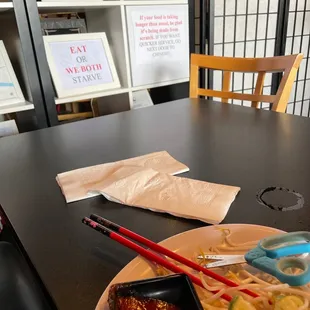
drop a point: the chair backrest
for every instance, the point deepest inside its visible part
(286, 64)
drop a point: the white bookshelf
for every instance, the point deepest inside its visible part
(110, 17)
(9, 34)
(85, 5)
(18, 107)
(92, 95)
(5, 6)
(76, 6)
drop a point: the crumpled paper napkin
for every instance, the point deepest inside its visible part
(76, 184)
(160, 192)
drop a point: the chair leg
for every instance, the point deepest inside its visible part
(95, 107)
(75, 107)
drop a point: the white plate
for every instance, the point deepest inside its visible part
(186, 244)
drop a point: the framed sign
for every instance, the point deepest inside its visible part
(158, 43)
(10, 92)
(80, 63)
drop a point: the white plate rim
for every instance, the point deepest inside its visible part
(135, 261)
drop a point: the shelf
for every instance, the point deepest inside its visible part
(115, 91)
(82, 6)
(172, 82)
(77, 6)
(5, 6)
(92, 95)
(153, 2)
(23, 106)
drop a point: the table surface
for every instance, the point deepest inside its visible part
(221, 143)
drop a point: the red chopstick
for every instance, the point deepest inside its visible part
(160, 249)
(144, 252)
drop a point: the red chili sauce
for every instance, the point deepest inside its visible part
(134, 303)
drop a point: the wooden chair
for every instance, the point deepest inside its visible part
(75, 113)
(286, 64)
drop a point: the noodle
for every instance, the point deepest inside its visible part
(248, 244)
(256, 279)
(242, 287)
(295, 292)
(236, 248)
(226, 240)
(276, 287)
(246, 281)
(208, 287)
(215, 296)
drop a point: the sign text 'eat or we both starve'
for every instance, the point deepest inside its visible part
(80, 64)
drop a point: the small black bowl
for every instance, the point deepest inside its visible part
(176, 289)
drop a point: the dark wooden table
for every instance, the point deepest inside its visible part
(220, 143)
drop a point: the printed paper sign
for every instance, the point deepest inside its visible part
(81, 63)
(159, 35)
(10, 92)
(158, 43)
(7, 89)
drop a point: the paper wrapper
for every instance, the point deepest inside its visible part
(76, 184)
(160, 192)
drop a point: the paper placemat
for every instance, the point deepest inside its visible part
(75, 184)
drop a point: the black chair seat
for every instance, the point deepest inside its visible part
(18, 288)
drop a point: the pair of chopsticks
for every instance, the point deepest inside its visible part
(114, 231)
